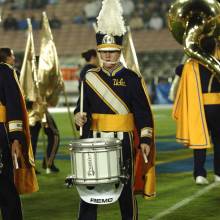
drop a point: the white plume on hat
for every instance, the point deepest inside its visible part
(110, 20)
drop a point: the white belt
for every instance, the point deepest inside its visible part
(119, 134)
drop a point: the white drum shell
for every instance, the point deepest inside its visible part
(96, 161)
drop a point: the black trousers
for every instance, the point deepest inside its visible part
(35, 130)
(127, 201)
(53, 138)
(213, 123)
(9, 200)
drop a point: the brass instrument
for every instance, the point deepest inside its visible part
(191, 20)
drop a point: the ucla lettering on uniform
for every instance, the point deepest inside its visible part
(119, 82)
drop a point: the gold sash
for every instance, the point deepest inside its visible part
(2, 113)
(113, 122)
(211, 98)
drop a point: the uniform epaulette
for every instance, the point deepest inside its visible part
(7, 65)
(97, 69)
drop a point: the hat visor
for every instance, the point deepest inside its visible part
(109, 47)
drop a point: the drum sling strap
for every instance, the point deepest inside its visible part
(106, 93)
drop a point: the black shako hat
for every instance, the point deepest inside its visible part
(108, 42)
(110, 26)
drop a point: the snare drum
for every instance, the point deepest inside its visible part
(96, 166)
(96, 160)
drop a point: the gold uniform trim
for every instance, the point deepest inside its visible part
(96, 69)
(102, 46)
(146, 132)
(210, 82)
(113, 122)
(114, 72)
(211, 98)
(2, 113)
(119, 68)
(15, 125)
(144, 86)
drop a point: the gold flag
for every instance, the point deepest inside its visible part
(129, 53)
(49, 74)
(28, 76)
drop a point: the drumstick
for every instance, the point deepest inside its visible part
(145, 158)
(16, 161)
(81, 107)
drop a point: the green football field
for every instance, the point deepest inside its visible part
(177, 195)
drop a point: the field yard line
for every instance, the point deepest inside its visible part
(185, 201)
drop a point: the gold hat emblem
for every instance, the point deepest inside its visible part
(108, 39)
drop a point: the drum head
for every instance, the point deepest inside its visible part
(100, 194)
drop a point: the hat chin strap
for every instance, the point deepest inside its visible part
(110, 62)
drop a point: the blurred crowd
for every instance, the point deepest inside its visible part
(138, 14)
(27, 4)
(12, 23)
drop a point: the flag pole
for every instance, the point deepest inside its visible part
(131, 43)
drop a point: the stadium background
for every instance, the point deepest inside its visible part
(158, 54)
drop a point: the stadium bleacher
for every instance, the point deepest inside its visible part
(152, 47)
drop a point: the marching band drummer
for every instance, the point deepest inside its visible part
(114, 102)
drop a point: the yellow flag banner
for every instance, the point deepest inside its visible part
(28, 76)
(49, 74)
(129, 53)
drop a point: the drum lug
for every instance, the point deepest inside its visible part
(69, 181)
(124, 177)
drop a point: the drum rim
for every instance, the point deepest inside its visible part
(95, 142)
(96, 181)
